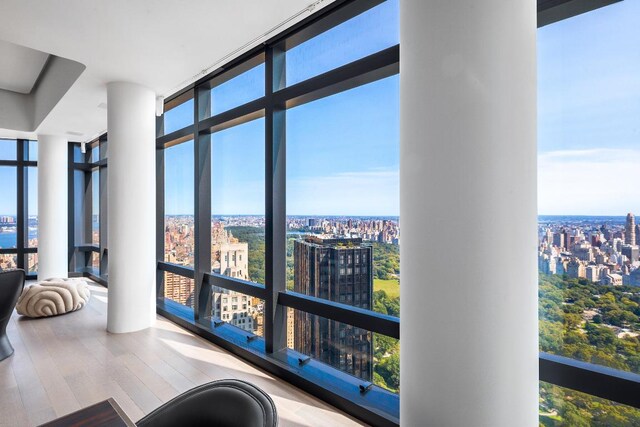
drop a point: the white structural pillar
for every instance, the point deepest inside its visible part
(52, 207)
(131, 207)
(469, 346)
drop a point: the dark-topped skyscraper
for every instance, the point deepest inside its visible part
(339, 270)
(630, 230)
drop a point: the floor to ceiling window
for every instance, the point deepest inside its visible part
(19, 205)
(278, 207)
(88, 197)
(589, 152)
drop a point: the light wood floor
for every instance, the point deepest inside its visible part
(65, 363)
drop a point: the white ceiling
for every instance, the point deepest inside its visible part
(157, 43)
(20, 67)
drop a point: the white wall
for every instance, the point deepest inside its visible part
(131, 207)
(52, 207)
(469, 348)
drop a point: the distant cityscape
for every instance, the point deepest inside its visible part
(604, 250)
(329, 257)
(8, 239)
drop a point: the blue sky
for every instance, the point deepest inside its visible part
(342, 151)
(589, 113)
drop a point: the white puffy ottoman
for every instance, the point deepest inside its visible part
(52, 297)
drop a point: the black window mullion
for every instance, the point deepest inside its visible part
(202, 208)
(159, 209)
(275, 319)
(87, 219)
(21, 216)
(71, 247)
(102, 212)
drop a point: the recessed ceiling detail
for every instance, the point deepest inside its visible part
(140, 42)
(20, 67)
(31, 84)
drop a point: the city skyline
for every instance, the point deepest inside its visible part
(587, 138)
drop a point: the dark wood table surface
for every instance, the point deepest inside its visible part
(103, 414)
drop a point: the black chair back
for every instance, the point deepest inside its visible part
(11, 285)
(228, 403)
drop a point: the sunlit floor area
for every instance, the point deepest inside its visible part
(65, 363)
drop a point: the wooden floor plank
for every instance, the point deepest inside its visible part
(69, 362)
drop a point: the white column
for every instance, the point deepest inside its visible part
(131, 207)
(52, 207)
(469, 332)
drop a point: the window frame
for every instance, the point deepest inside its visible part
(21, 163)
(362, 400)
(81, 253)
(368, 402)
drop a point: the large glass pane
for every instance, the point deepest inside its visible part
(178, 204)
(8, 261)
(363, 35)
(358, 352)
(561, 406)
(95, 207)
(95, 263)
(32, 207)
(588, 109)
(95, 153)
(238, 91)
(78, 203)
(179, 289)
(32, 151)
(242, 311)
(237, 201)
(104, 150)
(31, 263)
(178, 117)
(8, 206)
(8, 149)
(343, 197)
(78, 155)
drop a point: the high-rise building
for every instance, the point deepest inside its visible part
(632, 252)
(339, 270)
(229, 256)
(630, 230)
(179, 289)
(234, 308)
(558, 240)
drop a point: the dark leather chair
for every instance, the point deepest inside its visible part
(228, 403)
(11, 284)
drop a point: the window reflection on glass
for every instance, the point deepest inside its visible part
(178, 204)
(363, 35)
(237, 202)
